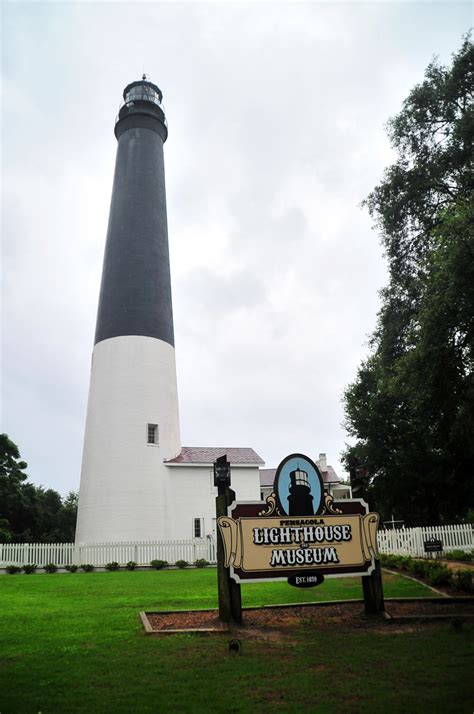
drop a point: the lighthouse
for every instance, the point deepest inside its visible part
(132, 423)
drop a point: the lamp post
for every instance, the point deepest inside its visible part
(230, 600)
(221, 474)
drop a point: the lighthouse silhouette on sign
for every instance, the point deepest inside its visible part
(300, 500)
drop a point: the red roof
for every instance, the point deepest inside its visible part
(267, 477)
(207, 455)
(330, 476)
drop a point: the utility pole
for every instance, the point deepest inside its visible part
(393, 523)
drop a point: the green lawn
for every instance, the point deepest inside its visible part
(74, 643)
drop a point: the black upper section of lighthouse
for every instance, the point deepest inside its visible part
(135, 294)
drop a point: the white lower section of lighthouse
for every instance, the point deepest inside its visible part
(125, 487)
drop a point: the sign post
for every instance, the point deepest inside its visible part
(371, 584)
(230, 600)
(373, 591)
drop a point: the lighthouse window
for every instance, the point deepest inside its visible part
(152, 433)
(142, 92)
(197, 527)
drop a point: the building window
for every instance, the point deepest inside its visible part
(152, 434)
(197, 528)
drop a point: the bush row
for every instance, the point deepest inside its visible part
(87, 567)
(460, 555)
(159, 564)
(434, 572)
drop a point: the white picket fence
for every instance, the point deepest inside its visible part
(402, 541)
(410, 541)
(99, 554)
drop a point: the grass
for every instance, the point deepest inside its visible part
(73, 643)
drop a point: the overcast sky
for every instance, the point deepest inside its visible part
(276, 134)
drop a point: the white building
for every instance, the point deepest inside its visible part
(191, 479)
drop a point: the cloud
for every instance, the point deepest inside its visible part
(276, 115)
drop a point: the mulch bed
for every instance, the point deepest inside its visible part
(195, 620)
(327, 615)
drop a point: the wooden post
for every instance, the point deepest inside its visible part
(223, 581)
(234, 588)
(372, 586)
(230, 599)
(373, 591)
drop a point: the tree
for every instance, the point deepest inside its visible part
(10, 465)
(411, 406)
(5, 532)
(68, 516)
(12, 477)
(29, 512)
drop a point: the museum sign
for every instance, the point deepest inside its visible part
(301, 534)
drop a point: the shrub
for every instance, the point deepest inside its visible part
(418, 568)
(201, 563)
(28, 569)
(159, 564)
(399, 561)
(402, 562)
(51, 568)
(87, 568)
(407, 563)
(71, 568)
(438, 574)
(182, 563)
(459, 555)
(434, 572)
(131, 565)
(390, 560)
(12, 569)
(462, 580)
(112, 566)
(387, 559)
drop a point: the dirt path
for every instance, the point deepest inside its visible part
(457, 564)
